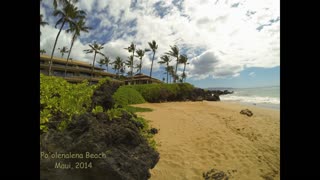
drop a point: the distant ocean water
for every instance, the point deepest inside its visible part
(261, 96)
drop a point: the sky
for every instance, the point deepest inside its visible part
(229, 43)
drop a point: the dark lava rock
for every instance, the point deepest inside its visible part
(213, 97)
(215, 174)
(123, 153)
(153, 131)
(102, 96)
(197, 94)
(246, 112)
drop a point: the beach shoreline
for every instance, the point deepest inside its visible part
(195, 137)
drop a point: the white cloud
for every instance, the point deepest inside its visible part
(228, 37)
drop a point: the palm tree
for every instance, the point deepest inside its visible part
(183, 60)
(183, 76)
(42, 23)
(106, 61)
(140, 54)
(170, 70)
(118, 65)
(95, 48)
(76, 28)
(63, 50)
(129, 63)
(68, 13)
(131, 48)
(42, 51)
(165, 60)
(174, 52)
(101, 62)
(153, 46)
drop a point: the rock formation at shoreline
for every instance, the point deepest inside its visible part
(127, 154)
(199, 94)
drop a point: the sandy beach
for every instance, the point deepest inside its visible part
(195, 137)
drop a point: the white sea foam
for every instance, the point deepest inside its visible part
(251, 99)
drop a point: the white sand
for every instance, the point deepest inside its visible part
(195, 137)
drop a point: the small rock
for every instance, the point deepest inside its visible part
(215, 174)
(246, 112)
(153, 131)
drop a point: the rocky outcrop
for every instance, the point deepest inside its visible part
(213, 97)
(246, 112)
(101, 149)
(219, 92)
(199, 94)
(215, 174)
(102, 96)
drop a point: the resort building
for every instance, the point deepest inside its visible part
(141, 79)
(77, 71)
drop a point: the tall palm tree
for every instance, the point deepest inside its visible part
(170, 70)
(42, 51)
(165, 60)
(174, 52)
(183, 60)
(140, 54)
(68, 13)
(129, 63)
(153, 46)
(63, 50)
(118, 65)
(101, 62)
(131, 48)
(95, 48)
(42, 23)
(106, 61)
(76, 28)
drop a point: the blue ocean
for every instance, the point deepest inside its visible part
(260, 96)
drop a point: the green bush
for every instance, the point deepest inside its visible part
(133, 109)
(58, 98)
(126, 95)
(164, 92)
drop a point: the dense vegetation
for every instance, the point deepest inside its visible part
(126, 95)
(60, 101)
(164, 92)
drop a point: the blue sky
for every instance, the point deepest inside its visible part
(229, 43)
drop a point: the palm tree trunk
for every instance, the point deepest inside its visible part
(184, 68)
(140, 65)
(174, 79)
(132, 64)
(54, 46)
(107, 67)
(94, 59)
(65, 69)
(167, 72)
(152, 65)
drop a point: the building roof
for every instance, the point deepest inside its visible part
(71, 62)
(142, 77)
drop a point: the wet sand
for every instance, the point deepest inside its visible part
(195, 137)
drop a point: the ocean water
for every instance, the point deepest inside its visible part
(260, 96)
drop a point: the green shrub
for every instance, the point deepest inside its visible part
(97, 109)
(132, 109)
(126, 95)
(114, 113)
(164, 92)
(58, 98)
